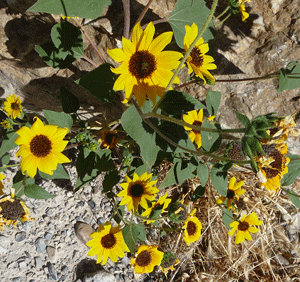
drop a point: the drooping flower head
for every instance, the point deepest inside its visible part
(137, 191)
(244, 227)
(195, 117)
(162, 203)
(109, 139)
(107, 242)
(145, 69)
(12, 106)
(40, 147)
(11, 210)
(197, 61)
(233, 192)
(192, 228)
(147, 257)
(273, 166)
(168, 262)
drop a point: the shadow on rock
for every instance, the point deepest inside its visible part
(87, 267)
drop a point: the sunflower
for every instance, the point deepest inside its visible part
(12, 209)
(40, 147)
(145, 69)
(6, 124)
(12, 106)
(108, 139)
(162, 203)
(272, 166)
(244, 228)
(195, 117)
(107, 242)
(197, 60)
(137, 191)
(168, 262)
(147, 257)
(192, 228)
(1, 184)
(233, 192)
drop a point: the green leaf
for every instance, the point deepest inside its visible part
(89, 9)
(86, 179)
(293, 172)
(68, 39)
(19, 180)
(213, 100)
(243, 119)
(103, 160)
(141, 133)
(100, 82)
(219, 178)
(130, 236)
(202, 172)
(198, 193)
(187, 12)
(8, 142)
(176, 103)
(227, 218)
(142, 231)
(5, 160)
(289, 78)
(294, 197)
(59, 173)
(60, 119)
(37, 192)
(111, 179)
(184, 169)
(209, 139)
(69, 101)
(169, 180)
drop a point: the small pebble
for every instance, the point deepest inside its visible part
(38, 262)
(49, 211)
(40, 245)
(48, 236)
(52, 272)
(92, 204)
(16, 279)
(20, 236)
(22, 265)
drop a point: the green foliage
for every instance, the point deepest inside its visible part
(99, 82)
(69, 101)
(90, 9)
(289, 78)
(243, 119)
(294, 197)
(210, 140)
(19, 181)
(293, 171)
(187, 12)
(60, 119)
(111, 179)
(8, 142)
(177, 212)
(5, 159)
(227, 217)
(198, 193)
(219, 178)
(37, 192)
(131, 233)
(59, 173)
(213, 100)
(202, 172)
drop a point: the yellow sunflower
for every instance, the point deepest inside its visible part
(107, 242)
(145, 69)
(12, 209)
(108, 139)
(147, 258)
(137, 191)
(12, 106)
(195, 117)
(162, 201)
(40, 147)
(168, 262)
(272, 166)
(1, 184)
(233, 192)
(244, 228)
(192, 228)
(197, 60)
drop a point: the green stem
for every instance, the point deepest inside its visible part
(117, 211)
(5, 166)
(213, 8)
(219, 16)
(223, 20)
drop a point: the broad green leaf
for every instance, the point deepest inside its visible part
(293, 171)
(68, 39)
(213, 100)
(59, 173)
(103, 160)
(69, 101)
(86, 179)
(100, 82)
(187, 12)
(184, 169)
(202, 172)
(198, 193)
(37, 192)
(227, 218)
(294, 198)
(60, 119)
(209, 139)
(5, 160)
(219, 178)
(111, 179)
(131, 234)
(19, 181)
(170, 179)
(89, 9)
(141, 133)
(8, 142)
(243, 119)
(176, 103)
(289, 78)
(142, 231)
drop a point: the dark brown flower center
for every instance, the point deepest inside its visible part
(230, 194)
(136, 190)
(40, 146)
(143, 259)
(12, 210)
(14, 106)
(276, 165)
(109, 138)
(235, 152)
(191, 228)
(197, 123)
(108, 241)
(142, 64)
(197, 57)
(243, 226)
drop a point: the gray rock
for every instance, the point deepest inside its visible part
(16, 279)
(22, 265)
(26, 225)
(38, 262)
(52, 272)
(49, 211)
(20, 236)
(83, 231)
(4, 240)
(64, 269)
(40, 245)
(63, 278)
(51, 252)
(48, 236)
(92, 204)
